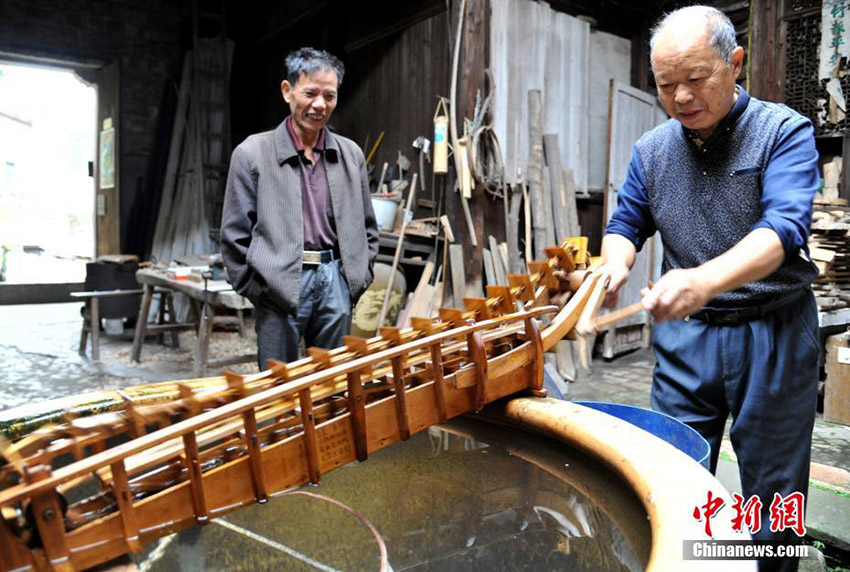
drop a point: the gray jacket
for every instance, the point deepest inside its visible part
(261, 227)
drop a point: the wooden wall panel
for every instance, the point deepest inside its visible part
(632, 113)
(536, 47)
(392, 86)
(766, 58)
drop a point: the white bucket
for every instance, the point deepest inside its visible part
(385, 210)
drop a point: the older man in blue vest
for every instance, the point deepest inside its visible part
(728, 183)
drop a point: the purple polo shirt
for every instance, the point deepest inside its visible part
(316, 209)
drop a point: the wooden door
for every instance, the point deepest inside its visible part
(631, 113)
(107, 162)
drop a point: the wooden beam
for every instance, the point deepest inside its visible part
(765, 71)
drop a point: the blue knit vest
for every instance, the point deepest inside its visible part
(706, 199)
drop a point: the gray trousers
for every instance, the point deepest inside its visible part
(764, 374)
(324, 316)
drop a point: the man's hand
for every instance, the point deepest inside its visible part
(679, 293)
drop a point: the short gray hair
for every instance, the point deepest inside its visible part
(309, 61)
(720, 26)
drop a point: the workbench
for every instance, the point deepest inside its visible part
(209, 295)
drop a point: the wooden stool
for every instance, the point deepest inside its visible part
(91, 317)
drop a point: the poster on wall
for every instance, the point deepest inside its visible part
(107, 155)
(835, 36)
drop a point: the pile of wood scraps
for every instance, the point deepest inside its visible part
(829, 247)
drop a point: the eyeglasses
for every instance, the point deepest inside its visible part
(329, 96)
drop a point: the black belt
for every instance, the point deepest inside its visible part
(716, 317)
(312, 257)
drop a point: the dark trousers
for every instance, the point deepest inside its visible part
(765, 374)
(324, 316)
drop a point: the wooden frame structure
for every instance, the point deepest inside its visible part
(182, 453)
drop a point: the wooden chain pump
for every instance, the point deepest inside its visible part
(82, 486)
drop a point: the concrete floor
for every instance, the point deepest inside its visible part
(39, 360)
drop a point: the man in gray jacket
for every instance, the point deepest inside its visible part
(298, 234)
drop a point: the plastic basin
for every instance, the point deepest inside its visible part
(684, 438)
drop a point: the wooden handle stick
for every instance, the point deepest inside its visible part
(381, 181)
(399, 247)
(608, 320)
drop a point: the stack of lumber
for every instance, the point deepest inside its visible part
(829, 246)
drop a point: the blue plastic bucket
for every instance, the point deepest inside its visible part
(684, 438)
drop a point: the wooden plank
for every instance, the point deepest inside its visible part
(532, 44)
(539, 216)
(419, 298)
(178, 129)
(499, 272)
(458, 274)
(572, 206)
(489, 271)
(557, 188)
(503, 251)
(631, 113)
(512, 227)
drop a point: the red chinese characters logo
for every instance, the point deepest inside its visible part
(785, 513)
(748, 513)
(708, 510)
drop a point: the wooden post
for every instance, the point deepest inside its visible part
(124, 498)
(557, 188)
(204, 335)
(532, 334)
(258, 477)
(142, 322)
(94, 320)
(196, 478)
(439, 390)
(478, 357)
(398, 248)
(49, 520)
(400, 397)
(765, 72)
(310, 443)
(357, 414)
(539, 216)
